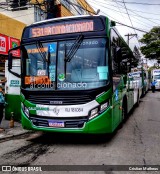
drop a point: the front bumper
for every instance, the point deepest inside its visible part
(98, 125)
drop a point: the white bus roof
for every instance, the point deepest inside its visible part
(61, 18)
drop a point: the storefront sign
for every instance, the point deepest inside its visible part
(14, 43)
(7, 43)
(4, 45)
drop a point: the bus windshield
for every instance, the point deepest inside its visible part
(46, 67)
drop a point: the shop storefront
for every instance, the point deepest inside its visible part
(7, 43)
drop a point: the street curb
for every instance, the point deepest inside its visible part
(6, 137)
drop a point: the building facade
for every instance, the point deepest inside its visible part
(44, 9)
(10, 34)
(15, 16)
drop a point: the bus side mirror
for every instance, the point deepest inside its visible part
(10, 61)
(10, 58)
(113, 23)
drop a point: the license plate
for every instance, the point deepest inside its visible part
(56, 123)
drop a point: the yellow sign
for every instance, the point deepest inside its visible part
(35, 50)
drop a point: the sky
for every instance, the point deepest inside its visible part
(131, 13)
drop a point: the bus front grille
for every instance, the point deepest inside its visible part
(75, 122)
(58, 100)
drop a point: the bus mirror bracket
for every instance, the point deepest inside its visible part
(10, 60)
(113, 23)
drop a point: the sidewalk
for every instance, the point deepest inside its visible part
(8, 132)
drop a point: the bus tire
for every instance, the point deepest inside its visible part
(124, 110)
(124, 114)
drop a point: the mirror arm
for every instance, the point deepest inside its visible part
(14, 73)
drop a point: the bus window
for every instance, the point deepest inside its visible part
(87, 69)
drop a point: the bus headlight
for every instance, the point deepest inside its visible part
(25, 110)
(22, 106)
(93, 113)
(103, 106)
(98, 110)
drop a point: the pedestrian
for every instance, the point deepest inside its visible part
(153, 84)
(3, 81)
(2, 104)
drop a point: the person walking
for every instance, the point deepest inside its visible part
(3, 81)
(153, 84)
(2, 104)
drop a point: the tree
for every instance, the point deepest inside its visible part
(151, 41)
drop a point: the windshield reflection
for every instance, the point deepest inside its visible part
(87, 69)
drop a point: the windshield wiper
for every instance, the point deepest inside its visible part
(74, 48)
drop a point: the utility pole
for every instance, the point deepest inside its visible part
(128, 36)
(51, 9)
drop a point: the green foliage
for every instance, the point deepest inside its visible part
(151, 41)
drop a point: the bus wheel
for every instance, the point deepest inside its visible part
(124, 111)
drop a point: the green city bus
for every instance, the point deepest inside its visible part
(74, 75)
(139, 82)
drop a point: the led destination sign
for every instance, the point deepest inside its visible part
(62, 28)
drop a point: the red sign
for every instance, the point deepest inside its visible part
(4, 45)
(7, 43)
(14, 43)
(53, 29)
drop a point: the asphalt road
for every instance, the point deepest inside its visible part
(136, 143)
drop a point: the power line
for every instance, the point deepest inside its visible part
(79, 6)
(128, 8)
(138, 3)
(143, 17)
(132, 27)
(73, 5)
(143, 11)
(119, 9)
(128, 36)
(131, 22)
(126, 13)
(118, 22)
(134, 9)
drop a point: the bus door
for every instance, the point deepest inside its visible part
(116, 100)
